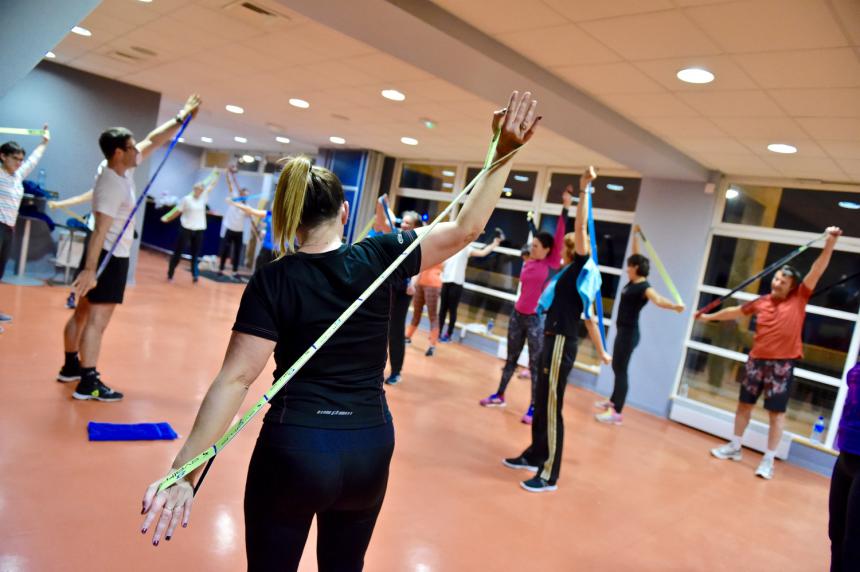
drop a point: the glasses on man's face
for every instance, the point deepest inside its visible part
(130, 148)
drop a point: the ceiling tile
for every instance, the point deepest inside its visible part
(652, 36)
(803, 68)
(848, 13)
(835, 129)
(328, 42)
(582, 10)
(796, 166)
(736, 164)
(769, 25)
(834, 102)
(73, 46)
(384, 67)
(842, 149)
(728, 74)
(608, 79)
(559, 46)
(649, 105)
(776, 128)
(851, 167)
(215, 22)
(499, 16)
(681, 127)
(732, 103)
(137, 13)
(805, 146)
(724, 145)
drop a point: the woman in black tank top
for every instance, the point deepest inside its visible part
(327, 440)
(635, 294)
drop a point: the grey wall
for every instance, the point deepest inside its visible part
(77, 106)
(30, 28)
(676, 217)
(179, 173)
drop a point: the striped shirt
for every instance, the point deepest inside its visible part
(12, 187)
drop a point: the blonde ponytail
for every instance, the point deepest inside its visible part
(289, 201)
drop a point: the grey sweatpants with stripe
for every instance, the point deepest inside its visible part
(521, 328)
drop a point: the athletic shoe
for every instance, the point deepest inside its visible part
(609, 416)
(407, 340)
(495, 400)
(5, 317)
(195, 279)
(524, 373)
(603, 404)
(430, 351)
(2, 330)
(727, 451)
(70, 373)
(93, 388)
(393, 379)
(444, 338)
(170, 279)
(518, 463)
(765, 469)
(527, 418)
(70, 301)
(538, 485)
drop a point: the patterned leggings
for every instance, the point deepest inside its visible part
(520, 328)
(428, 295)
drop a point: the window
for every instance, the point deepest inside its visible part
(612, 239)
(427, 209)
(520, 184)
(513, 224)
(428, 177)
(792, 209)
(615, 193)
(499, 271)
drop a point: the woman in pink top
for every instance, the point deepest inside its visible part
(525, 324)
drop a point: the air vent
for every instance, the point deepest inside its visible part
(258, 10)
(144, 51)
(260, 13)
(339, 116)
(124, 56)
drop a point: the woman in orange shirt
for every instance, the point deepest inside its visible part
(427, 290)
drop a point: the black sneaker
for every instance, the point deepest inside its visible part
(519, 463)
(407, 340)
(430, 351)
(93, 388)
(538, 485)
(69, 373)
(393, 379)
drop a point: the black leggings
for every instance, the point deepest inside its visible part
(298, 472)
(231, 244)
(186, 236)
(626, 340)
(844, 527)
(7, 235)
(448, 303)
(400, 302)
(522, 327)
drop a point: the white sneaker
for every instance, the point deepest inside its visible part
(765, 469)
(727, 451)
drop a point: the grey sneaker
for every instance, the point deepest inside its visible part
(5, 317)
(727, 451)
(765, 469)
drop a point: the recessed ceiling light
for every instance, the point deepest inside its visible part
(409, 141)
(301, 103)
(81, 31)
(732, 194)
(337, 140)
(234, 109)
(849, 205)
(181, 139)
(783, 148)
(283, 140)
(508, 191)
(206, 139)
(448, 185)
(521, 178)
(447, 173)
(145, 1)
(393, 95)
(695, 75)
(248, 158)
(50, 55)
(238, 139)
(614, 187)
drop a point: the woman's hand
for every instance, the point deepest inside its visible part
(679, 308)
(567, 197)
(605, 357)
(170, 506)
(587, 177)
(516, 123)
(46, 136)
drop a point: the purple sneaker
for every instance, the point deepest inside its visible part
(494, 400)
(444, 338)
(527, 418)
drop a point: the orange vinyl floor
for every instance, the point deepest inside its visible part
(643, 496)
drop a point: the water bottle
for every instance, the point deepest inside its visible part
(40, 180)
(818, 431)
(490, 326)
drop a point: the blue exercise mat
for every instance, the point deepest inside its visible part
(130, 431)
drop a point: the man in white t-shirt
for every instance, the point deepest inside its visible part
(113, 202)
(453, 278)
(234, 228)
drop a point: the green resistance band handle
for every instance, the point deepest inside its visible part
(661, 269)
(19, 131)
(209, 454)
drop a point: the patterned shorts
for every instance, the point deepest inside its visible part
(771, 376)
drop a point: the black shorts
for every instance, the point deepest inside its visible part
(771, 376)
(110, 287)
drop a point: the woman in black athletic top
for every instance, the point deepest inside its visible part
(327, 440)
(635, 294)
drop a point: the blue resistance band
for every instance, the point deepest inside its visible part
(599, 298)
(142, 196)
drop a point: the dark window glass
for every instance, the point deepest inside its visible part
(520, 184)
(498, 271)
(479, 308)
(428, 177)
(733, 260)
(513, 224)
(793, 209)
(825, 339)
(611, 238)
(715, 380)
(617, 193)
(427, 209)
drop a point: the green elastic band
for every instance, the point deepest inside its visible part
(19, 131)
(661, 269)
